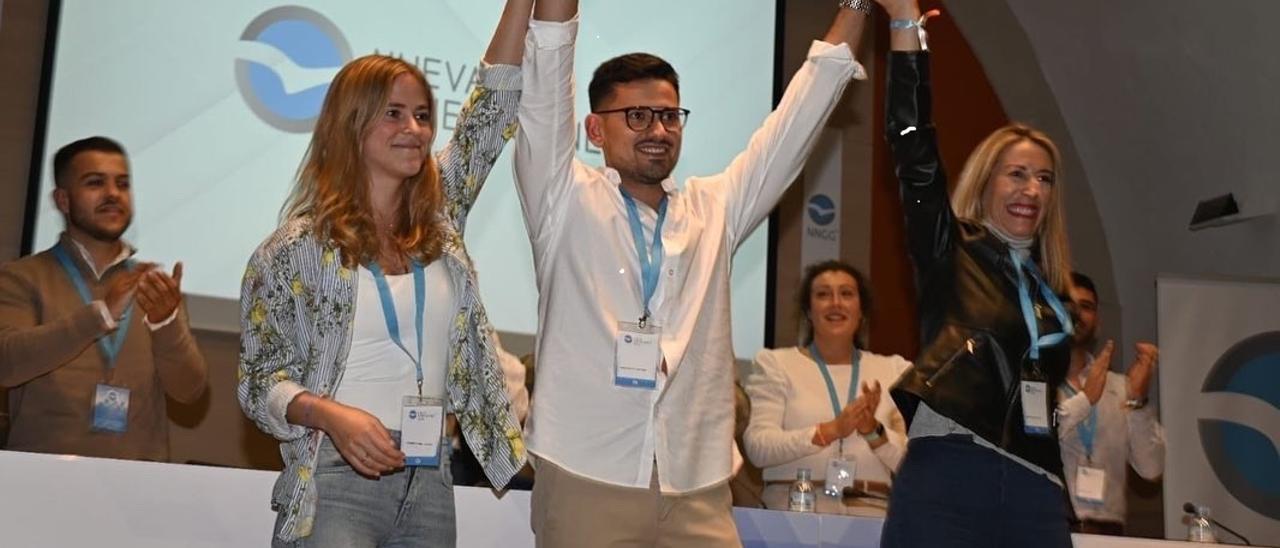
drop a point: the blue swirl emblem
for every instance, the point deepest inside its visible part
(821, 209)
(288, 56)
(1240, 450)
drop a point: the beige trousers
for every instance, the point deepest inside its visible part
(571, 511)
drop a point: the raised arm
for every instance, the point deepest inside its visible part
(507, 45)
(909, 129)
(1146, 436)
(902, 39)
(488, 119)
(544, 156)
(756, 179)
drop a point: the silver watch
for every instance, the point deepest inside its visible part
(874, 435)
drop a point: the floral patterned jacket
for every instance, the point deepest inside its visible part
(297, 303)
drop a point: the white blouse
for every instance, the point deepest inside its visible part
(789, 398)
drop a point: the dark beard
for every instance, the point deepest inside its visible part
(1088, 343)
(652, 173)
(95, 232)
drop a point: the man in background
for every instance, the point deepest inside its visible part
(1105, 421)
(91, 341)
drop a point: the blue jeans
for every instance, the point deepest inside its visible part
(410, 507)
(952, 492)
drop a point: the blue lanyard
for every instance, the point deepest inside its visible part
(831, 385)
(110, 345)
(1088, 428)
(389, 310)
(650, 256)
(1028, 311)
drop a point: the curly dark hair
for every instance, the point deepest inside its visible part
(803, 300)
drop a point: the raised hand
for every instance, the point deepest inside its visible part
(122, 287)
(870, 397)
(1097, 379)
(1142, 370)
(159, 294)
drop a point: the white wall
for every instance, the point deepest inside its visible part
(1162, 103)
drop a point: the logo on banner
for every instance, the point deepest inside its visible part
(822, 213)
(288, 56)
(1243, 456)
(821, 209)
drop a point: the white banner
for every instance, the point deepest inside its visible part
(820, 240)
(1220, 403)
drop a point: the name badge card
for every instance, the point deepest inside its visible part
(1035, 407)
(421, 430)
(1090, 484)
(840, 473)
(111, 409)
(638, 356)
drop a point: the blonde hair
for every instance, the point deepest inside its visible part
(332, 186)
(966, 201)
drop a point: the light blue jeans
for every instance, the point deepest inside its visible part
(410, 507)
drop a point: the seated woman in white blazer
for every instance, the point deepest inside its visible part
(819, 406)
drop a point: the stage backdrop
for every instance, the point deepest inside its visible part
(215, 102)
(1220, 402)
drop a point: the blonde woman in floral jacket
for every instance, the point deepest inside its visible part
(369, 261)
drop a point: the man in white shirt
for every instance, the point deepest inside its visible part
(632, 426)
(1105, 422)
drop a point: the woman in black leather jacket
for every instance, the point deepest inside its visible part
(982, 465)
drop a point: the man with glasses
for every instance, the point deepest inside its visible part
(632, 427)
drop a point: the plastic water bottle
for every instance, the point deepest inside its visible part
(1199, 529)
(803, 497)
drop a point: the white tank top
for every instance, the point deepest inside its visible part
(378, 374)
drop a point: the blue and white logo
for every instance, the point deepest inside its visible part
(1243, 450)
(288, 56)
(821, 210)
(413, 414)
(626, 339)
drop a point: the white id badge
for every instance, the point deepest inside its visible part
(1090, 484)
(840, 473)
(111, 409)
(637, 356)
(1035, 407)
(421, 430)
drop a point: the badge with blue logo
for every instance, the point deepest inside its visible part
(638, 356)
(421, 430)
(111, 409)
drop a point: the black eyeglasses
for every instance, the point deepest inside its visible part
(640, 118)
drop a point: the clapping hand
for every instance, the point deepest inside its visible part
(1142, 370)
(159, 293)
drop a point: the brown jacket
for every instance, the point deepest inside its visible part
(50, 360)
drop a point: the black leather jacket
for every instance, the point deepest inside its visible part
(973, 334)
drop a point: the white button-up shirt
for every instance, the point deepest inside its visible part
(588, 278)
(1123, 436)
